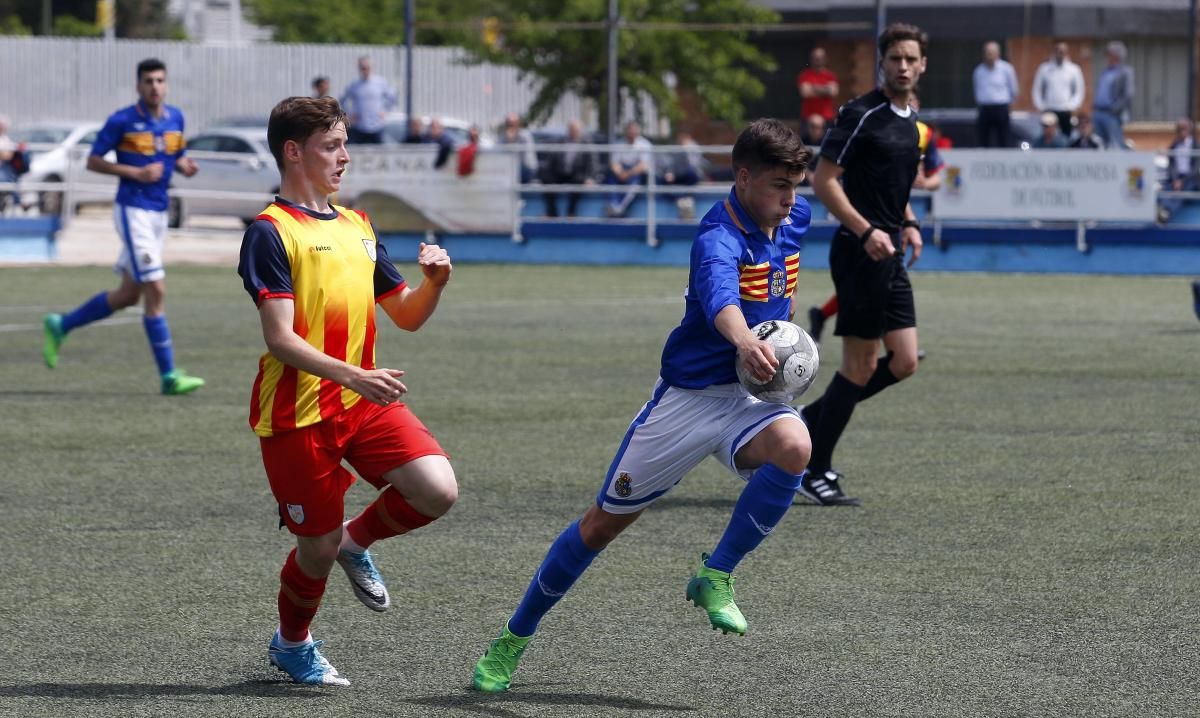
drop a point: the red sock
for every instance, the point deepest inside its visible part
(387, 516)
(299, 597)
(830, 308)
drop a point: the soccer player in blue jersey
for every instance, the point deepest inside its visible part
(744, 264)
(148, 139)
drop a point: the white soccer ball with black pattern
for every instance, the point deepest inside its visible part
(798, 363)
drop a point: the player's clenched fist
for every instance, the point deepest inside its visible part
(435, 263)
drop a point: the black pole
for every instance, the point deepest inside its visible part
(880, 23)
(410, 33)
(1191, 82)
(613, 17)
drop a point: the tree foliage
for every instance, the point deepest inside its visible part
(720, 66)
(134, 18)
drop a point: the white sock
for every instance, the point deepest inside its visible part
(279, 639)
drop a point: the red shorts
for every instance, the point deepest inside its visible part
(304, 466)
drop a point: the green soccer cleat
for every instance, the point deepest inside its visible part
(712, 590)
(179, 382)
(494, 672)
(53, 333)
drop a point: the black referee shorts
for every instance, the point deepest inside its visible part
(874, 298)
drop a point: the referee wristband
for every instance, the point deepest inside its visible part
(862, 238)
(911, 223)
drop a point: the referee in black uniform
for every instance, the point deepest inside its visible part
(868, 163)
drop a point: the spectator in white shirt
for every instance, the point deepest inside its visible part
(629, 166)
(996, 87)
(1058, 87)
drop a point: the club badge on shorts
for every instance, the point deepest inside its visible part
(369, 244)
(624, 485)
(296, 511)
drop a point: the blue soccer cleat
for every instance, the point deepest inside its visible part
(304, 664)
(365, 579)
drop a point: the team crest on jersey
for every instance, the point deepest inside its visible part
(370, 246)
(778, 283)
(624, 484)
(160, 144)
(296, 511)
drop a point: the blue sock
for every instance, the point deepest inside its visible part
(93, 310)
(565, 562)
(159, 335)
(764, 501)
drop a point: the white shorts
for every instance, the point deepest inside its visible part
(673, 433)
(143, 233)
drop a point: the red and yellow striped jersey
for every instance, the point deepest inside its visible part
(334, 269)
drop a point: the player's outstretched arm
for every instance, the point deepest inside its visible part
(411, 308)
(380, 386)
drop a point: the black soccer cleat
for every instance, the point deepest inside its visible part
(816, 323)
(824, 489)
(1196, 298)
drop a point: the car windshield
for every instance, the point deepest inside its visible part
(40, 135)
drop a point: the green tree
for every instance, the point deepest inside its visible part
(719, 66)
(562, 44)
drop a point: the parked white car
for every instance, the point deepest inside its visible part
(53, 146)
(229, 159)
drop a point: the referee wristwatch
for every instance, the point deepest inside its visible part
(911, 223)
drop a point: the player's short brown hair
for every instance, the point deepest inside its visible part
(899, 32)
(298, 118)
(768, 144)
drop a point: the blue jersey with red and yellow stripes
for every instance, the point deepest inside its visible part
(732, 262)
(140, 139)
(334, 269)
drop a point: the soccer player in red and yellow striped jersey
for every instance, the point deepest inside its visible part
(316, 272)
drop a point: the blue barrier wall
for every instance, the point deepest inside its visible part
(28, 239)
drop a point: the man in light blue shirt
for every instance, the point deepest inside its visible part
(995, 83)
(366, 102)
(1114, 96)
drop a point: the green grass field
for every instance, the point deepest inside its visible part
(1028, 545)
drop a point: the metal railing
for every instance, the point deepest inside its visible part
(80, 186)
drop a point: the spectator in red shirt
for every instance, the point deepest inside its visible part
(818, 87)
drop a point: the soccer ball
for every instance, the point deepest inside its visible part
(798, 363)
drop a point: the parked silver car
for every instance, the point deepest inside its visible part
(53, 147)
(230, 160)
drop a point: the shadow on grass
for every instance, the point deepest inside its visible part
(494, 704)
(254, 688)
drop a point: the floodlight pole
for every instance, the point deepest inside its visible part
(880, 23)
(614, 14)
(1191, 81)
(410, 34)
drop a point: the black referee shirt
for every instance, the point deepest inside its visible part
(879, 151)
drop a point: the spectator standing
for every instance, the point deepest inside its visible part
(1085, 137)
(515, 135)
(573, 165)
(1058, 87)
(1114, 96)
(437, 135)
(1051, 138)
(320, 87)
(629, 166)
(468, 152)
(367, 101)
(995, 83)
(818, 86)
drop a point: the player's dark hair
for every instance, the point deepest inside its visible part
(298, 118)
(770, 143)
(899, 32)
(150, 64)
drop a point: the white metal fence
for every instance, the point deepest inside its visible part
(87, 79)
